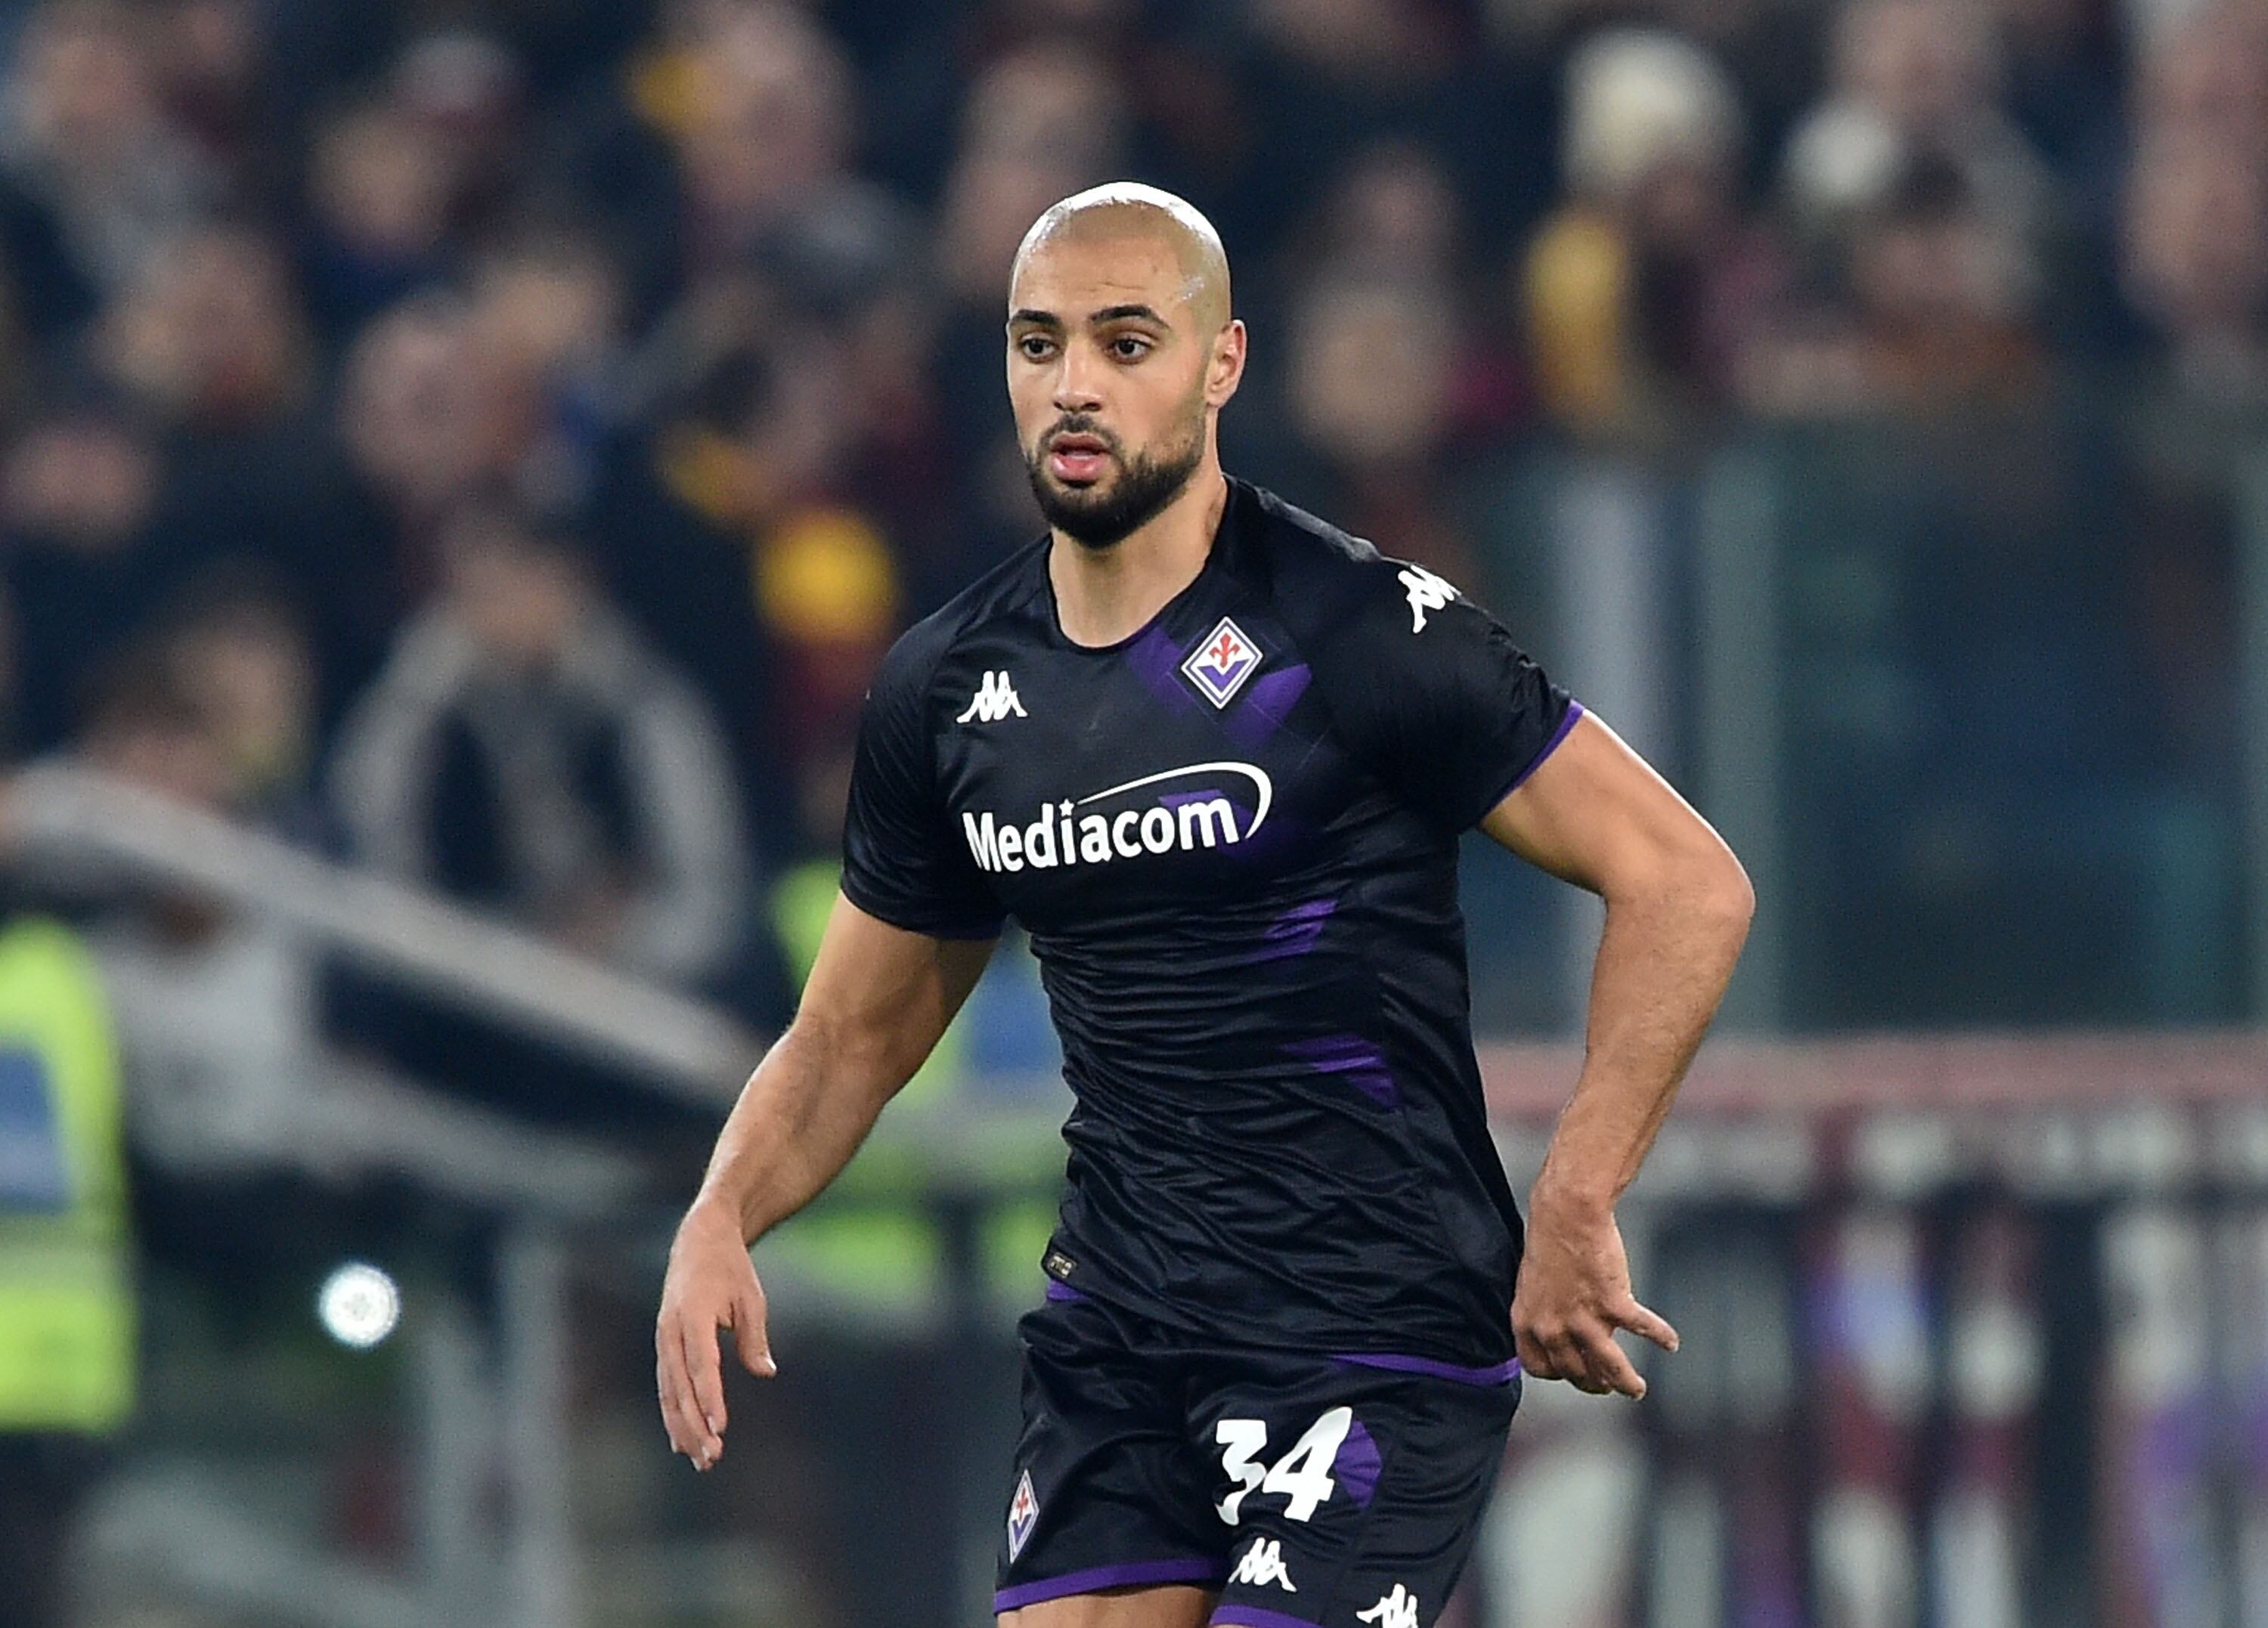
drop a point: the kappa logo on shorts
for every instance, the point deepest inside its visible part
(1262, 1565)
(1219, 666)
(1398, 1609)
(1023, 1516)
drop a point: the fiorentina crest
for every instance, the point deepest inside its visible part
(1220, 665)
(1023, 1516)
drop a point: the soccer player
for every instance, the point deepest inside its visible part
(1216, 756)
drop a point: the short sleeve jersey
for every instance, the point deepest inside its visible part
(1232, 839)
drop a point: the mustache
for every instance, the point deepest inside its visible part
(1078, 424)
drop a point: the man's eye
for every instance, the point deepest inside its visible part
(1034, 347)
(1128, 347)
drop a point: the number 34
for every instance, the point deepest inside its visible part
(1303, 1474)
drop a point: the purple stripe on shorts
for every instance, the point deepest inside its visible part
(1191, 1569)
(1502, 1374)
(1255, 1616)
(1063, 1292)
(1358, 1465)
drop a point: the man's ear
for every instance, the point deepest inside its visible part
(1225, 370)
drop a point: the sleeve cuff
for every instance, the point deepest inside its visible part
(893, 915)
(1566, 723)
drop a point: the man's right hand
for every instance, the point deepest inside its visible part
(711, 1285)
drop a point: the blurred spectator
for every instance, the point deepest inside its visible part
(524, 751)
(736, 527)
(214, 1007)
(463, 90)
(547, 306)
(1372, 367)
(1934, 310)
(209, 333)
(757, 108)
(87, 140)
(378, 194)
(1915, 82)
(244, 662)
(424, 419)
(84, 564)
(2196, 262)
(68, 1308)
(1642, 293)
(2203, 70)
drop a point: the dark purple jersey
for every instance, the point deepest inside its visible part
(1233, 838)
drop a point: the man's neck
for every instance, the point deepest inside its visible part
(1104, 594)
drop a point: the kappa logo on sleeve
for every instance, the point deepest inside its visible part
(1219, 666)
(1427, 592)
(995, 698)
(1023, 1516)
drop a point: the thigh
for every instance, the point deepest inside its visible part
(1108, 1500)
(1352, 1493)
(1170, 1606)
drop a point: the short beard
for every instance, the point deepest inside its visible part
(1101, 519)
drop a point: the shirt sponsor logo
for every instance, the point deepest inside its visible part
(1023, 1516)
(1262, 1565)
(1398, 1609)
(1219, 666)
(994, 699)
(1427, 592)
(1201, 817)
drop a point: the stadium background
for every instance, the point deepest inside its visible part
(459, 463)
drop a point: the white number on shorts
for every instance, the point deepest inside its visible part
(1302, 1475)
(1240, 1441)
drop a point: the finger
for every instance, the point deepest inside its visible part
(1645, 1324)
(698, 1336)
(669, 1381)
(1535, 1361)
(751, 1338)
(688, 1434)
(1608, 1365)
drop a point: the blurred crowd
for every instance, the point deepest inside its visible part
(496, 440)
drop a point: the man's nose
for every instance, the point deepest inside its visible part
(1077, 383)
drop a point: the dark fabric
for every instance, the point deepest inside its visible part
(1241, 889)
(1140, 1444)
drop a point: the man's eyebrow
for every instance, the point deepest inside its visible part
(1037, 318)
(1120, 313)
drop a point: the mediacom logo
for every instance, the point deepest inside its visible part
(1201, 818)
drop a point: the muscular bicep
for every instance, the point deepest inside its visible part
(1595, 813)
(883, 995)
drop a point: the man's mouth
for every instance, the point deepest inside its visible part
(1078, 459)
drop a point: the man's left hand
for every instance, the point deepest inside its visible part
(1574, 1292)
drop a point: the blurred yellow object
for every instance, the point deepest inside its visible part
(1578, 290)
(67, 1305)
(826, 577)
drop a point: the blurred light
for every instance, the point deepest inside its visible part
(359, 1305)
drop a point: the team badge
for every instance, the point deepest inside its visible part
(1023, 1516)
(1219, 666)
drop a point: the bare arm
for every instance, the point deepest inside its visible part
(876, 1003)
(1678, 905)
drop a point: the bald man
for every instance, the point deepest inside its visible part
(1215, 756)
